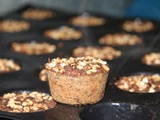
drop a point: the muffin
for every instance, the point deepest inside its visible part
(120, 39)
(24, 102)
(12, 26)
(63, 33)
(8, 65)
(140, 83)
(105, 53)
(37, 14)
(33, 48)
(137, 26)
(77, 81)
(151, 59)
(87, 20)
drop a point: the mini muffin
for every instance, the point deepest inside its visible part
(151, 59)
(37, 14)
(120, 39)
(77, 81)
(63, 33)
(105, 53)
(137, 26)
(87, 20)
(12, 26)
(24, 102)
(140, 83)
(43, 75)
(33, 48)
(8, 65)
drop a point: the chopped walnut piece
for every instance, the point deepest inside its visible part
(26, 102)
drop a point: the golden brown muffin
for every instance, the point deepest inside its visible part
(33, 48)
(12, 26)
(8, 65)
(105, 53)
(22, 102)
(87, 20)
(120, 39)
(37, 14)
(63, 33)
(76, 81)
(139, 83)
(137, 26)
(151, 59)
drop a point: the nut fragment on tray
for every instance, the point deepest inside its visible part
(8, 65)
(37, 14)
(87, 20)
(22, 102)
(33, 48)
(120, 39)
(139, 83)
(63, 33)
(12, 26)
(105, 53)
(137, 26)
(152, 59)
(77, 81)
(43, 75)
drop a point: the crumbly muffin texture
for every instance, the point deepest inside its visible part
(77, 81)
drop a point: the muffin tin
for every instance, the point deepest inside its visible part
(116, 104)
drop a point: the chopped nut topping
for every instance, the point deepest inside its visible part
(33, 48)
(120, 39)
(86, 20)
(7, 65)
(82, 65)
(152, 59)
(105, 53)
(37, 14)
(139, 83)
(26, 102)
(13, 26)
(137, 26)
(63, 33)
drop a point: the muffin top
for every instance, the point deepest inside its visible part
(77, 66)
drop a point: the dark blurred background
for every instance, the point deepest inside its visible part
(114, 8)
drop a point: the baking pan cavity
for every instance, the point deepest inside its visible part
(116, 111)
